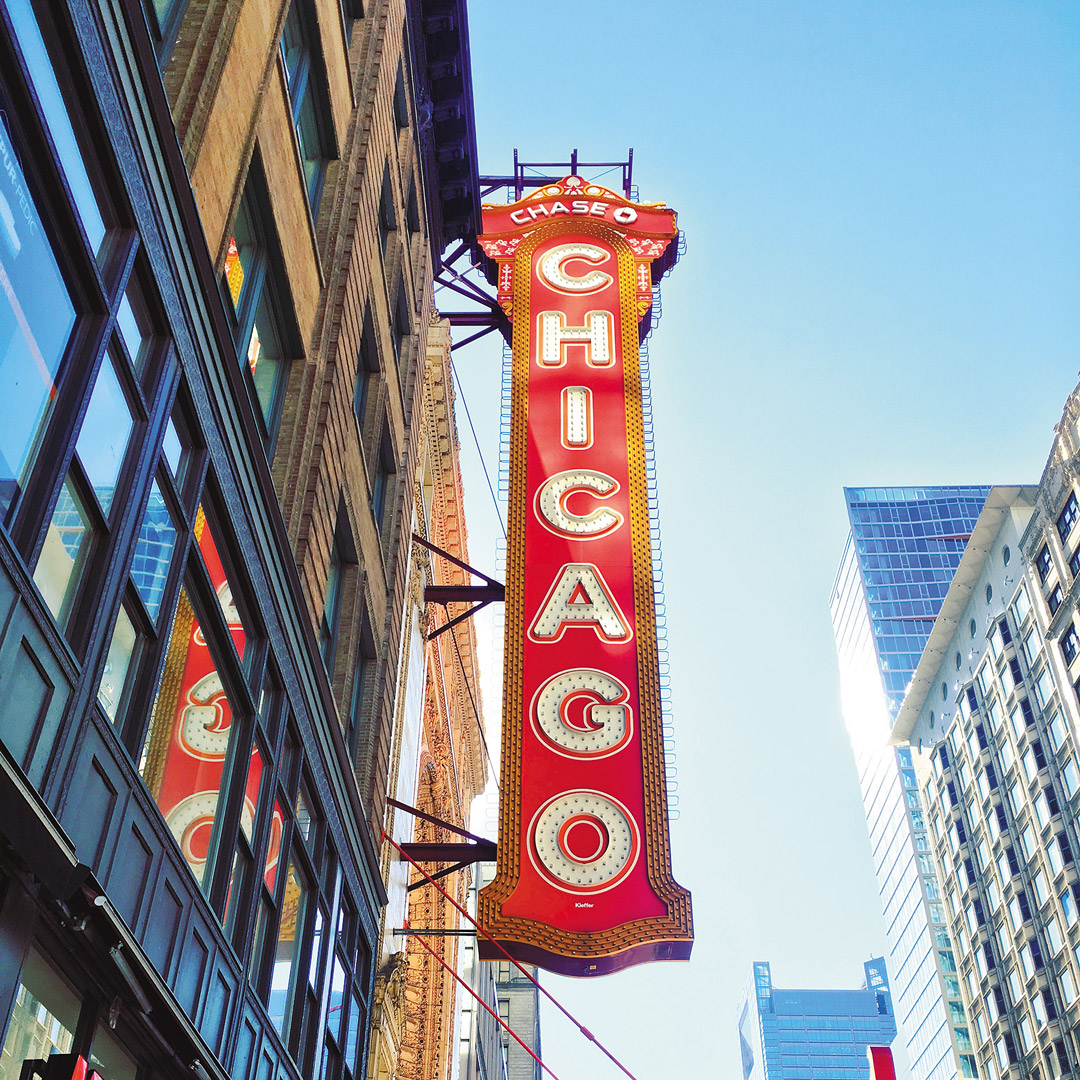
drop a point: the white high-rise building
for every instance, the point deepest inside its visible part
(900, 557)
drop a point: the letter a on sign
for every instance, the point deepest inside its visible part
(584, 884)
(579, 598)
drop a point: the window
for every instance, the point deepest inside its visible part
(363, 691)
(1014, 671)
(1003, 939)
(387, 215)
(1016, 917)
(342, 555)
(401, 326)
(1074, 562)
(1070, 643)
(251, 279)
(1053, 935)
(1038, 883)
(1016, 986)
(1070, 777)
(1032, 644)
(384, 475)
(412, 212)
(1044, 687)
(57, 366)
(1067, 518)
(1021, 607)
(185, 758)
(1068, 986)
(365, 397)
(308, 110)
(1053, 853)
(1027, 842)
(1039, 1010)
(1057, 731)
(1004, 870)
(1043, 562)
(1068, 906)
(1055, 598)
(401, 103)
(1030, 769)
(164, 18)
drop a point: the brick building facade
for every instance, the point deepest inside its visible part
(220, 222)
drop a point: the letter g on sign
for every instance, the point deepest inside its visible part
(582, 713)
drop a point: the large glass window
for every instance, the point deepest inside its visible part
(36, 319)
(302, 68)
(44, 1019)
(183, 761)
(252, 280)
(365, 395)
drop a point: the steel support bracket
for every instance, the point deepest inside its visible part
(491, 592)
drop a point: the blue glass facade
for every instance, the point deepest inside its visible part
(901, 555)
(908, 543)
(813, 1034)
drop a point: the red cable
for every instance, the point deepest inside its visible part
(498, 1019)
(498, 945)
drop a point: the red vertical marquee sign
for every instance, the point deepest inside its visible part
(584, 883)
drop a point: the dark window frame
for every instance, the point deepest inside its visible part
(1068, 517)
(308, 98)
(368, 371)
(265, 294)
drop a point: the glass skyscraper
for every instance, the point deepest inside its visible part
(900, 557)
(813, 1034)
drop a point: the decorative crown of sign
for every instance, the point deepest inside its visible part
(647, 228)
(574, 187)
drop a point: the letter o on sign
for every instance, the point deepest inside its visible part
(584, 842)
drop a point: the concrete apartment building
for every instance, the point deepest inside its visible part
(991, 721)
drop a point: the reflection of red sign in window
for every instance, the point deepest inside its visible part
(584, 883)
(67, 1067)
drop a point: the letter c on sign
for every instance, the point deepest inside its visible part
(553, 272)
(582, 713)
(554, 492)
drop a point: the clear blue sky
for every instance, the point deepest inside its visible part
(882, 207)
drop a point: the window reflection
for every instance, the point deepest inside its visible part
(117, 664)
(265, 361)
(273, 850)
(36, 317)
(190, 731)
(283, 979)
(64, 552)
(153, 550)
(44, 1018)
(173, 448)
(104, 435)
(133, 322)
(56, 116)
(208, 548)
(109, 1058)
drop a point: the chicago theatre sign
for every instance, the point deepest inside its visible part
(584, 883)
